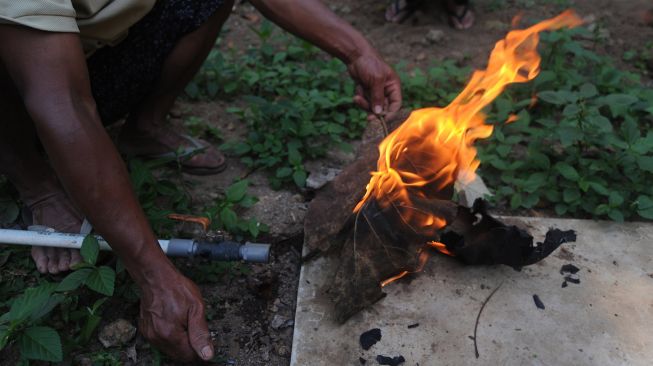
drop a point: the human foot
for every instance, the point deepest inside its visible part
(54, 210)
(459, 13)
(399, 10)
(196, 156)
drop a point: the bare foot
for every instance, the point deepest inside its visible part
(57, 212)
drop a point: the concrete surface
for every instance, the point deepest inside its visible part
(607, 319)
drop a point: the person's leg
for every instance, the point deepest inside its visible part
(34, 179)
(146, 128)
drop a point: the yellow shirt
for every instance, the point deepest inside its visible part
(98, 22)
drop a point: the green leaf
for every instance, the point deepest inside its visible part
(645, 207)
(41, 343)
(570, 195)
(615, 199)
(616, 215)
(588, 90)
(102, 280)
(284, 172)
(515, 201)
(619, 103)
(294, 157)
(236, 192)
(599, 188)
(74, 280)
(30, 302)
(567, 171)
(9, 210)
(551, 97)
(645, 163)
(90, 249)
(299, 177)
(561, 208)
(228, 218)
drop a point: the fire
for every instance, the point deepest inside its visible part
(435, 146)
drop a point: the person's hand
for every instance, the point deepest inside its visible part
(172, 318)
(378, 89)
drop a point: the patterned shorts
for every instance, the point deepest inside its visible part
(123, 75)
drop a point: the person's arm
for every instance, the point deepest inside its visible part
(49, 71)
(379, 88)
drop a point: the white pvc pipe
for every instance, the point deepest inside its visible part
(54, 239)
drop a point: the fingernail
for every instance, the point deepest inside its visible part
(207, 353)
(378, 109)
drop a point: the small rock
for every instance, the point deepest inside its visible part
(318, 179)
(283, 351)
(117, 333)
(278, 321)
(345, 9)
(434, 36)
(420, 56)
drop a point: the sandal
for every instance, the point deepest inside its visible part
(132, 145)
(399, 10)
(456, 16)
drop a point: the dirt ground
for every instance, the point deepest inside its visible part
(251, 315)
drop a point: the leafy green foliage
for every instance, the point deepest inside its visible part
(24, 322)
(585, 147)
(298, 104)
(224, 212)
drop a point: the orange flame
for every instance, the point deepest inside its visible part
(434, 146)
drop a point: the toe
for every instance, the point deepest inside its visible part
(53, 260)
(75, 257)
(40, 259)
(64, 259)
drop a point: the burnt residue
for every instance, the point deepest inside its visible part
(538, 302)
(362, 360)
(569, 268)
(391, 361)
(411, 326)
(573, 280)
(475, 237)
(369, 338)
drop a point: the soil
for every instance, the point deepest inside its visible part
(251, 314)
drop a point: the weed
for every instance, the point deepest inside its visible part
(25, 323)
(298, 104)
(584, 149)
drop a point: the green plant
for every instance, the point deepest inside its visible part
(26, 321)
(224, 212)
(585, 148)
(298, 104)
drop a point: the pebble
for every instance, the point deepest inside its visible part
(434, 36)
(117, 333)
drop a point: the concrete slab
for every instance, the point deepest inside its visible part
(607, 319)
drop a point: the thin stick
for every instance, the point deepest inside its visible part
(383, 124)
(479, 317)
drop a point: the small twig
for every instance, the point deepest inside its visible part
(478, 317)
(383, 124)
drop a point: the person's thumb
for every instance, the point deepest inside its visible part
(198, 333)
(377, 95)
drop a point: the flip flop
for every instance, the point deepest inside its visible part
(195, 146)
(400, 10)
